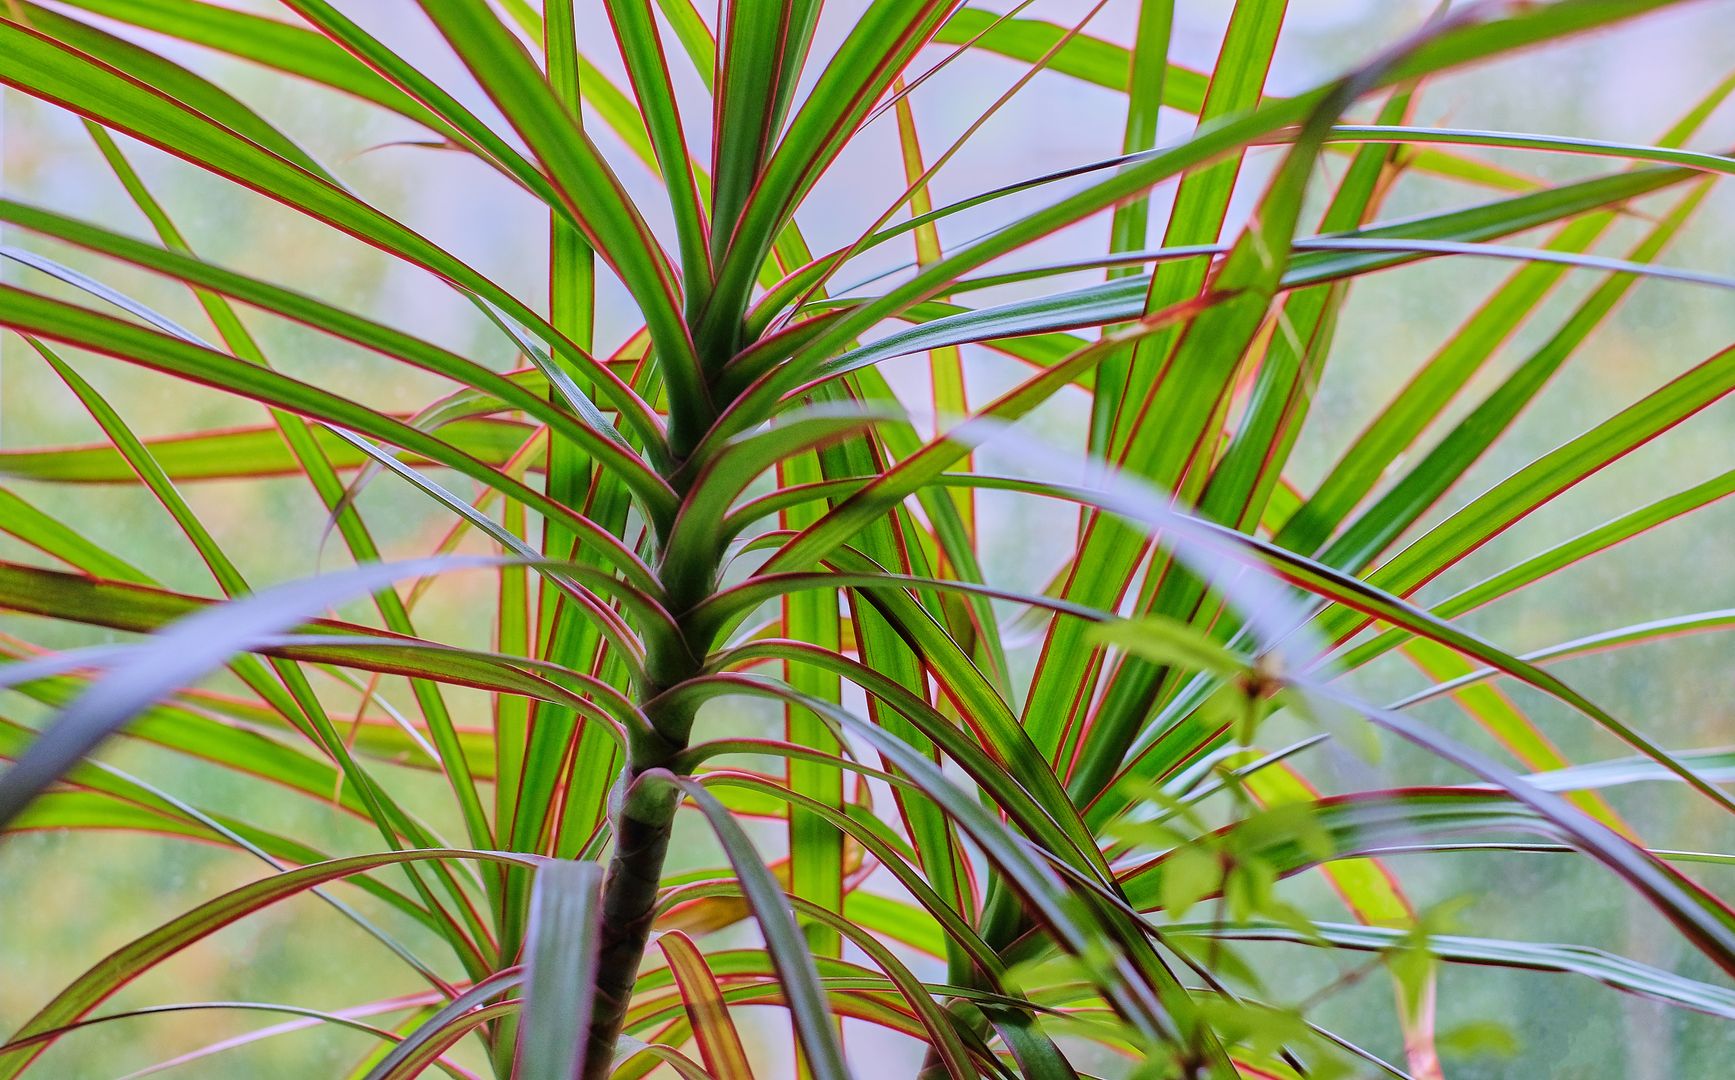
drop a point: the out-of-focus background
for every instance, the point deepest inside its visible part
(65, 900)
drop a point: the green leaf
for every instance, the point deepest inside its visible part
(860, 70)
(1559, 557)
(560, 948)
(1084, 57)
(113, 98)
(435, 1032)
(1163, 640)
(39, 530)
(1547, 476)
(190, 649)
(789, 954)
(594, 433)
(760, 56)
(39, 316)
(240, 453)
(1418, 489)
(719, 1041)
(1190, 875)
(1201, 200)
(292, 49)
(1149, 72)
(641, 46)
(585, 184)
(139, 609)
(1514, 140)
(168, 77)
(146, 951)
(1122, 299)
(1615, 971)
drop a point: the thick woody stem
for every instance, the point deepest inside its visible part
(628, 907)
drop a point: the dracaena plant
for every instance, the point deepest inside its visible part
(1026, 833)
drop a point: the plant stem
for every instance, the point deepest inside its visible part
(628, 907)
(645, 819)
(646, 813)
